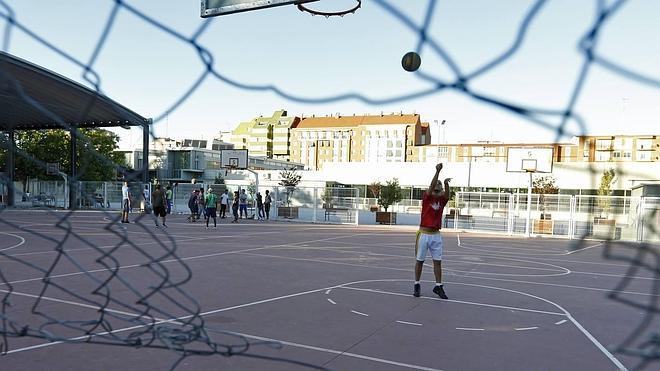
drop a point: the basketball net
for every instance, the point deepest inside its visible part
(342, 13)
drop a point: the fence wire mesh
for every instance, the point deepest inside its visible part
(163, 326)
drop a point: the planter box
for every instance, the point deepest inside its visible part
(287, 212)
(605, 228)
(384, 217)
(543, 226)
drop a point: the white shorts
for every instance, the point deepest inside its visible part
(428, 241)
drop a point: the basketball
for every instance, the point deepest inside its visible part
(411, 61)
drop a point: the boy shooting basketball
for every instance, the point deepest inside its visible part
(428, 236)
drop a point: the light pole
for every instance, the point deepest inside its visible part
(440, 125)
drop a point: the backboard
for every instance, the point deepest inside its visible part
(212, 8)
(529, 159)
(52, 168)
(234, 158)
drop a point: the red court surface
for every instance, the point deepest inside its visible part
(291, 296)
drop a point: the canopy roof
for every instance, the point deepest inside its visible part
(32, 97)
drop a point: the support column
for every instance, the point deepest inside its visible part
(145, 152)
(11, 153)
(73, 177)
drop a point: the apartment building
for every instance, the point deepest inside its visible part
(619, 148)
(368, 138)
(597, 149)
(265, 136)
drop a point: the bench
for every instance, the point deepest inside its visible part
(499, 213)
(334, 211)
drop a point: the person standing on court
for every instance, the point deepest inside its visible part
(168, 196)
(159, 205)
(211, 207)
(234, 207)
(224, 203)
(260, 207)
(125, 202)
(428, 235)
(243, 203)
(267, 201)
(146, 195)
(201, 207)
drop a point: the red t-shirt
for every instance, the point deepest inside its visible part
(432, 208)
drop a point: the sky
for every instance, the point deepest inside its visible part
(146, 55)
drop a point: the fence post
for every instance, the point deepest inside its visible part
(357, 206)
(456, 210)
(571, 218)
(277, 202)
(105, 196)
(316, 198)
(510, 220)
(640, 219)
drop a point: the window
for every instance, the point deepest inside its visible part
(644, 144)
(644, 156)
(602, 156)
(603, 144)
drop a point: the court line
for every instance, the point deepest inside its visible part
(495, 306)
(409, 323)
(560, 322)
(346, 285)
(359, 313)
(160, 321)
(480, 247)
(331, 301)
(407, 270)
(16, 245)
(577, 324)
(526, 328)
(470, 329)
(560, 271)
(175, 260)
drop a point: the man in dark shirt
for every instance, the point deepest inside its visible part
(159, 203)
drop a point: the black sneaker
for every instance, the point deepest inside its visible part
(417, 290)
(440, 291)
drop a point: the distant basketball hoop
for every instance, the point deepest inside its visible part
(529, 165)
(529, 159)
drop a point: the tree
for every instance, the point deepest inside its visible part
(605, 189)
(97, 159)
(290, 180)
(374, 188)
(219, 179)
(252, 189)
(544, 185)
(390, 193)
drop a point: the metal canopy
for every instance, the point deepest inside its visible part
(32, 97)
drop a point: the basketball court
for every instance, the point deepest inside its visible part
(304, 296)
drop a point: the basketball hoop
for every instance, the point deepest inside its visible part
(303, 8)
(529, 165)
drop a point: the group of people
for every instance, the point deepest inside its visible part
(158, 200)
(199, 205)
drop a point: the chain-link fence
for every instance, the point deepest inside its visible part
(570, 216)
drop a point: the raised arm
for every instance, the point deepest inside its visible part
(447, 180)
(434, 181)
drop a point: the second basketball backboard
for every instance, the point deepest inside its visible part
(529, 159)
(212, 8)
